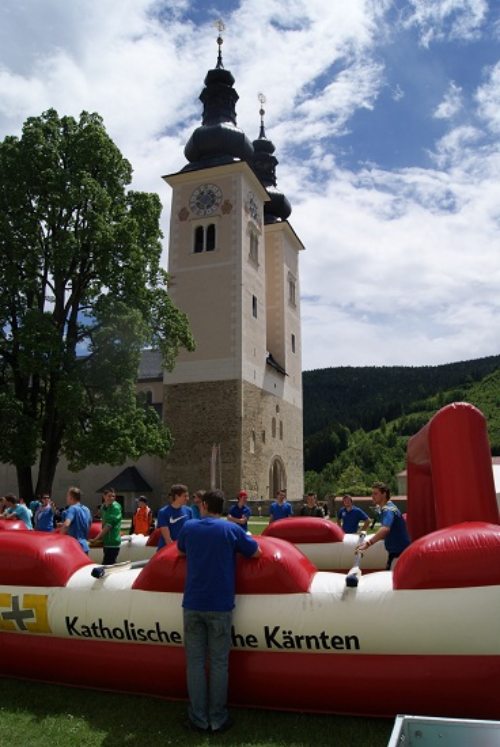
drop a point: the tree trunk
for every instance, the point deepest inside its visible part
(52, 433)
(49, 458)
(25, 483)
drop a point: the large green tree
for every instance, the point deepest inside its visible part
(81, 293)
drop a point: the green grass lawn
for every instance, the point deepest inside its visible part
(257, 525)
(40, 715)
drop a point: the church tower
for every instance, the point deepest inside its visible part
(234, 405)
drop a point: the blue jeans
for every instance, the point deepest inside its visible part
(207, 637)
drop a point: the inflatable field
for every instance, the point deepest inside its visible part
(422, 639)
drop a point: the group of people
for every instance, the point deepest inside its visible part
(74, 520)
(12, 508)
(210, 545)
(393, 530)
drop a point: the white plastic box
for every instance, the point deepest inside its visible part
(422, 731)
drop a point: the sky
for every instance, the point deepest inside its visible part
(386, 119)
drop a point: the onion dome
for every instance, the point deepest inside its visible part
(218, 140)
(264, 165)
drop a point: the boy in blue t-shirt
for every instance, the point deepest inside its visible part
(210, 545)
(350, 515)
(17, 510)
(393, 531)
(240, 513)
(280, 508)
(172, 517)
(77, 519)
(44, 515)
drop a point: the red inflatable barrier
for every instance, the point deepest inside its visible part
(450, 479)
(308, 637)
(281, 569)
(6, 525)
(461, 556)
(94, 530)
(305, 530)
(48, 559)
(154, 538)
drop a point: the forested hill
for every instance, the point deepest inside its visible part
(360, 397)
(358, 420)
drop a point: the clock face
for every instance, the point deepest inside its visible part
(205, 199)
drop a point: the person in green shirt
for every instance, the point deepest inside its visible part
(111, 515)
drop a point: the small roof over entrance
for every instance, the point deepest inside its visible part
(128, 480)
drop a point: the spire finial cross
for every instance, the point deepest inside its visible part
(262, 111)
(220, 26)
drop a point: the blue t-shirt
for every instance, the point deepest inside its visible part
(280, 510)
(239, 512)
(23, 513)
(173, 518)
(81, 519)
(350, 519)
(210, 546)
(44, 519)
(398, 539)
(34, 506)
(195, 510)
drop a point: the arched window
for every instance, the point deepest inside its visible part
(277, 476)
(199, 237)
(210, 237)
(204, 238)
(281, 430)
(273, 427)
(252, 442)
(254, 248)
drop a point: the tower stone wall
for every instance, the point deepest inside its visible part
(201, 415)
(271, 430)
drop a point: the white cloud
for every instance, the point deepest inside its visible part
(451, 103)
(408, 269)
(397, 93)
(488, 99)
(440, 19)
(450, 149)
(401, 265)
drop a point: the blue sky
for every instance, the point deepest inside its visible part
(386, 119)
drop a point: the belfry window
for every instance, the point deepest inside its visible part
(210, 245)
(204, 238)
(199, 238)
(254, 248)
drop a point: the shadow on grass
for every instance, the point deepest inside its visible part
(44, 715)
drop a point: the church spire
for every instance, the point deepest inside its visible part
(218, 140)
(219, 25)
(262, 111)
(264, 164)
